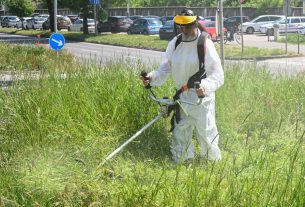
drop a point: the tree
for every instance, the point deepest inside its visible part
(50, 6)
(81, 6)
(20, 8)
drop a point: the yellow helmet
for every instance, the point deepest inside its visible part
(185, 17)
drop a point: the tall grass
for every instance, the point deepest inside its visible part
(55, 132)
(16, 58)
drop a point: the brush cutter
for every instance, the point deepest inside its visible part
(164, 104)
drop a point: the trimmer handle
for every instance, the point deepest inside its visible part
(144, 75)
(197, 85)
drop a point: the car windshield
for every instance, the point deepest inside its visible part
(169, 23)
(279, 20)
(40, 19)
(154, 21)
(210, 24)
(90, 20)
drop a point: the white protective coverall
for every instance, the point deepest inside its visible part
(182, 63)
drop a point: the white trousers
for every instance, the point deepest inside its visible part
(202, 119)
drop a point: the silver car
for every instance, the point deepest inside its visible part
(10, 21)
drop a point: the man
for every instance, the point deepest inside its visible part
(181, 61)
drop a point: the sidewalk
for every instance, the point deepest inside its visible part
(291, 66)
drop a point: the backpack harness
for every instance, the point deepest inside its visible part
(197, 77)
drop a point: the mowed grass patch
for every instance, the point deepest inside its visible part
(33, 58)
(55, 132)
(151, 42)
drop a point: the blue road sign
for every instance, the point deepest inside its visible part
(94, 1)
(57, 41)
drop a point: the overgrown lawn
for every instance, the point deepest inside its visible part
(54, 132)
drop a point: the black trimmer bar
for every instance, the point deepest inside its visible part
(164, 104)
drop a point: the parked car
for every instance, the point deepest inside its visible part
(210, 27)
(145, 26)
(63, 22)
(24, 22)
(164, 19)
(115, 24)
(37, 22)
(254, 25)
(10, 21)
(77, 26)
(167, 32)
(234, 21)
(268, 28)
(73, 17)
(293, 24)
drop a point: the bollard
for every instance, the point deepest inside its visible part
(298, 43)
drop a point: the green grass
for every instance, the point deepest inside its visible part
(54, 132)
(32, 58)
(147, 42)
(294, 39)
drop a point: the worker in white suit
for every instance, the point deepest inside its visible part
(181, 61)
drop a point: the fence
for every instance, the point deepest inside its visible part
(171, 11)
(200, 11)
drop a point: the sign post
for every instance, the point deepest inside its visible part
(95, 3)
(241, 25)
(219, 22)
(303, 7)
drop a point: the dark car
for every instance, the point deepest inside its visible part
(115, 24)
(167, 32)
(145, 26)
(233, 22)
(164, 19)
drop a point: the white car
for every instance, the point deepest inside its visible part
(268, 28)
(77, 26)
(10, 21)
(293, 24)
(254, 25)
(34, 23)
(24, 21)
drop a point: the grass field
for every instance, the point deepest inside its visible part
(54, 132)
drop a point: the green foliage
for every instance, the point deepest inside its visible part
(21, 8)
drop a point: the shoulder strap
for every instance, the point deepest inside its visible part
(179, 40)
(201, 49)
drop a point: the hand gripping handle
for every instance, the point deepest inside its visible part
(197, 85)
(144, 75)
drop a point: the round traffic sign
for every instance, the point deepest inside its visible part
(57, 41)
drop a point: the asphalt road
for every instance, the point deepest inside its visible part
(103, 53)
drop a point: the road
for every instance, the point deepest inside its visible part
(102, 53)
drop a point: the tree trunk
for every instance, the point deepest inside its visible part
(51, 12)
(85, 18)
